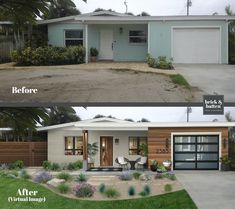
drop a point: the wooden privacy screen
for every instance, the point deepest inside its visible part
(32, 153)
(157, 140)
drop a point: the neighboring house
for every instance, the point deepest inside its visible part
(120, 37)
(193, 145)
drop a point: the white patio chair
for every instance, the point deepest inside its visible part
(122, 162)
(141, 162)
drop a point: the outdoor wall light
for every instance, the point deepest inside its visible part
(116, 141)
(167, 142)
(225, 142)
(121, 30)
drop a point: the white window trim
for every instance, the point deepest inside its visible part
(75, 39)
(195, 134)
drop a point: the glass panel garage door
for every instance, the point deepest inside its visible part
(196, 152)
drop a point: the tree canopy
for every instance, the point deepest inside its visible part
(60, 115)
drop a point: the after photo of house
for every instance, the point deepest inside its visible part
(162, 156)
(87, 53)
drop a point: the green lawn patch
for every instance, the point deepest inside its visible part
(9, 187)
(180, 80)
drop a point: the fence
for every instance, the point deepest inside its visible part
(32, 153)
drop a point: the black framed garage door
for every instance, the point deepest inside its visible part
(196, 152)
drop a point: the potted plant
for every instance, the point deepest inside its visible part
(92, 150)
(94, 54)
(225, 163)
(153, 165)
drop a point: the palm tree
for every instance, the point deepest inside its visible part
(60, 115)
(22, 120)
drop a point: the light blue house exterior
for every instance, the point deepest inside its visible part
(119, 37)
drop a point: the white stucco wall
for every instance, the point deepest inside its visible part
(56, 144)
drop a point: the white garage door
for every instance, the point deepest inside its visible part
(196, 45)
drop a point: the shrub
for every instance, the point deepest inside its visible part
(145, 177)
(49, 55)
(146, 191)
(82, 177)
(55, 167)
(111, 192)
(75, 166)
(46, 165)
(65, 176)
(4, 166)
(159, 176)
(170, 176)
(24, 174)
(168, 188)
(14, 173)
(161, 169)
(94, 52)
(43, 177)
(161, 62)
(131, 191)
(136, 175)
(19, 164)
(84, 190)
(126, 176)
(63, 188)
(102, 188)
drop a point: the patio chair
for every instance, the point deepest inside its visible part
(141, 162)
(122, 162)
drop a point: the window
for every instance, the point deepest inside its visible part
(134, 144)
(137, 36)
(73, 145)
(73, 37)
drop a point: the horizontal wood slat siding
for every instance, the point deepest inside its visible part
(32, 153)
(157, 140)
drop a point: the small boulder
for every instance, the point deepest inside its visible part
(55, 182)
(145, 177)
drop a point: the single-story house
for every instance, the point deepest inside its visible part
(192, 145)
(121, 37)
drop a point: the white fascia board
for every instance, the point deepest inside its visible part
(5, 129)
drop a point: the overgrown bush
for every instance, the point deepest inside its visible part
(131, 191)
(24, 174)
(168, 188)
(161, 62)
(136, 175)
(63, 188)
(82, 177)
(65, 176)
(43, 177)
(49, 55)
(84, 190)
(126, 176)
(102, 188)
(111, 192)
(46, 165)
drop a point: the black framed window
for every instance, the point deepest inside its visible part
(137, 36)
(73, 145)
(134, 144)
(73, 37)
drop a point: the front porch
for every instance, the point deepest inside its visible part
(116, 42)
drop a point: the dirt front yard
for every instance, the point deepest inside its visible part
(89, 83)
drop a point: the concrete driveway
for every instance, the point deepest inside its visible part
(211, 79)
(209, 189)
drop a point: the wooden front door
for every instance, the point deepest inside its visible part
(106, 151)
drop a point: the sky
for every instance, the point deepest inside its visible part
(154, 114)
(158, 7)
